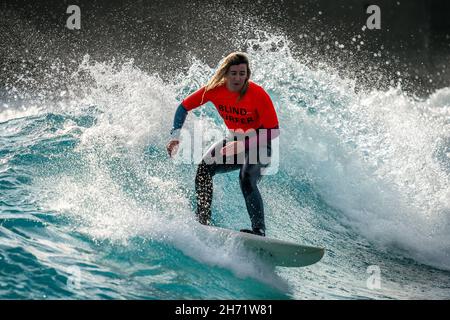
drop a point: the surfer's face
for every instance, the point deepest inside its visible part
(236, 77)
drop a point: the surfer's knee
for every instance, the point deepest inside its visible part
(247, 180)
(205, 169)
(250, 174)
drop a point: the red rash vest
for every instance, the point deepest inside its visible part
(254, 111)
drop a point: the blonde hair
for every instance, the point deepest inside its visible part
(233, 59)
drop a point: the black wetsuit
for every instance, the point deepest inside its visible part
(249, 174)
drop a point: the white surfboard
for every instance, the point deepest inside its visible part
(277, 252)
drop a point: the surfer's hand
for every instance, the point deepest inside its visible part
(232, 148)
(172, 147)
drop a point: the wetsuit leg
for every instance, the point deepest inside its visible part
(249, 176)
(206, 170)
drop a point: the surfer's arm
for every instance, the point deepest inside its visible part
(178, 121)
(191, 102)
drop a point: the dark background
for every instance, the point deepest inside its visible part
(161, 36)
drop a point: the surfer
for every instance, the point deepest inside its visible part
(250, 116)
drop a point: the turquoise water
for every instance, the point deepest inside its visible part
(92, 208)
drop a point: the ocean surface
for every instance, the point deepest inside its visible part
(91, 207)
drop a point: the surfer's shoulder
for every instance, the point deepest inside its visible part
(254, 87)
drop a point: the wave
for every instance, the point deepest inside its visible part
(379, 159)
